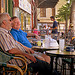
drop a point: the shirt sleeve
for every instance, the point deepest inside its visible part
(25, 33)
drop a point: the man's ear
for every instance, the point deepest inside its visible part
(4, 22)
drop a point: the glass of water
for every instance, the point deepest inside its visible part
(61, 44)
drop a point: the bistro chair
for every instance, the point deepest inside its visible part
(24, 68)
(6, 67)
(20, 57)
(11, 68)
(67, 65)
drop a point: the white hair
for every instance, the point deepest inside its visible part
(3, 16)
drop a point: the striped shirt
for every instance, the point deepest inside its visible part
(7, 42)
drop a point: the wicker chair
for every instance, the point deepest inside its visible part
(4, 59)
(24, 68)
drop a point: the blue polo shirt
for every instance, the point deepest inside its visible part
(21, 37)
(54, 31)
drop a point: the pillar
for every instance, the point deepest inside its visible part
(73, 15)
(10, 7)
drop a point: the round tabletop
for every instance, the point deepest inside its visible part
(62, 54)
(37, 48)
(47, 48)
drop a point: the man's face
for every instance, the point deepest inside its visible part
(8, 23)
(51, 19)
(16, 23)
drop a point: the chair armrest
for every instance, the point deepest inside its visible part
(11, 66)
(21, 57)
(24, 67)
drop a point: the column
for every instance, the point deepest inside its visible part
(10, 7)
(73, 15)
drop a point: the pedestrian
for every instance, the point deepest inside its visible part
(54, 28)
(35, 31)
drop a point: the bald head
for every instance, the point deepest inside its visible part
(5, 21)
(3, 16)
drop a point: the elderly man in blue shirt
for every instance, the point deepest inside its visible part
(20, 35)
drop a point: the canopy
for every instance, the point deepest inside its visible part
(46, 3)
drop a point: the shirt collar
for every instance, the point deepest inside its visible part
(15, 29)
(3, 29)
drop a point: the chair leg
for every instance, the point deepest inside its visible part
(28, 73)
(14, 74)
(65, 68)
(3, 71)
(33, 74)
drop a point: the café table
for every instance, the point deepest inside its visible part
(63, 54)
(43, 49)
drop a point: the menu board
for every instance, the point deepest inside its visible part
(25, 5)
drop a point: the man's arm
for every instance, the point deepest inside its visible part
(30, 34)
(35, 35)
(19, 52)
(53, 28)
(29, 50)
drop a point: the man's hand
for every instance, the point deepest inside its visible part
(31, 51)
(32, 58)
(27, 50)
(37, 37)
(29, 56)
(32, 34)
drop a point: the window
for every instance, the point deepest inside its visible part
(42, 12)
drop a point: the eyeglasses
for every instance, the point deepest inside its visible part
(10, 20)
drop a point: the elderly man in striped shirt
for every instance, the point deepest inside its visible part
(7, 43)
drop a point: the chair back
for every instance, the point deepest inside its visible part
(4, 57)
(6, 52)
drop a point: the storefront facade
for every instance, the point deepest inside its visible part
(22, 9)
(6, 6)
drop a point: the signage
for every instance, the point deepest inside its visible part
(25, 5)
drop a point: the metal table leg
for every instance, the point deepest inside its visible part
(71, 71)
(52, 58)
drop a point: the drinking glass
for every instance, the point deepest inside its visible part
(39, 43)
(61, 44)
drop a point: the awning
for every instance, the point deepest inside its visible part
(46, 3)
